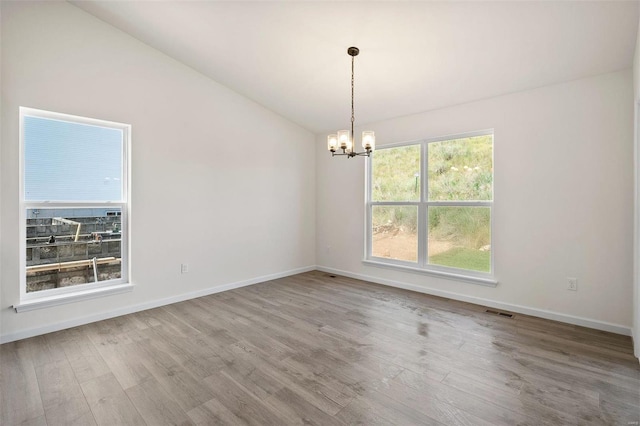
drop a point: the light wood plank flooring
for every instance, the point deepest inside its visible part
(312, 349)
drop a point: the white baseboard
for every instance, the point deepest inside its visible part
(541, 313)
(635, 337)
(526, 310)
(49, 328)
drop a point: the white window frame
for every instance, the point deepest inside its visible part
(422, 265)
(56, 296)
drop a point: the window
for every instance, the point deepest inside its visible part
(74, 204)
(429, 205)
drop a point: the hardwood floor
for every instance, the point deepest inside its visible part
(311, 349)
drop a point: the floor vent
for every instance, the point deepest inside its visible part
(502, 314)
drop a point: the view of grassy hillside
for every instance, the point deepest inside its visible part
(458, 170)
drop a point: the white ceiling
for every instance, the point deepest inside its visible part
(414, 56)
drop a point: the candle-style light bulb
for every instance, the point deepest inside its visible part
(368, 140)
(332, 142)
(344, 138)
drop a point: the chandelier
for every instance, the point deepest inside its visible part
(344, 138)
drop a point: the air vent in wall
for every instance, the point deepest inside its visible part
(502, 314)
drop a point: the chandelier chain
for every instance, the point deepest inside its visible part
(352, 109)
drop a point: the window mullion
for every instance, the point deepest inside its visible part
(368, 243)
(70, 204)
(423, 228)
(395, 203)
(460, 203)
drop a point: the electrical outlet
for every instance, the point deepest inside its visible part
(572, 284)
(184, 268)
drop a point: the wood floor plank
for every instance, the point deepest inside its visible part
(40, 352)
(62, 398)
(125, 361)
(451, 405)
(617, 413)
(191, 353)
(214, 413)
(72, 412)
(241, 402)
(326, 399)
(155, 405)
(550, 409)
(58, 383)
(38, 421)
(320, 349)
(251, 377)
(187, 390)
(20, 400)
(379, 409)
(369, 372)
(295, 410)
(109, 403)
(85, 360)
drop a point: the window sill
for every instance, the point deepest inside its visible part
(61, 299)
(489, 282)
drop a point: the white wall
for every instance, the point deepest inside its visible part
(636, 219)
(563, 201)
(1, 203)
(218, 181)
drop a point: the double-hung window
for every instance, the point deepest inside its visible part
(429, 206)
(74, 207)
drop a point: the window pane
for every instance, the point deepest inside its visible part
(461, 169)
(66, 161)
(396, 174)
(395, 232)
(62, 243)
(460, 237)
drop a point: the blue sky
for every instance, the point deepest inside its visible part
(67, 161)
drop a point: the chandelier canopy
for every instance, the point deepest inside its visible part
(344, 139)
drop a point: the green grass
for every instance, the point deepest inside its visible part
(464, 258)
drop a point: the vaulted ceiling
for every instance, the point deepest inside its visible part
(414, 56)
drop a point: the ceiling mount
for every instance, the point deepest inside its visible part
(353, 51)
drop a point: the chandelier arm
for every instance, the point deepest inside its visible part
(352, 154)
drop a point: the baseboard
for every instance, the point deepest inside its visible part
(526, 310)
(49, 328)
(541, 313)
(635, 337)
